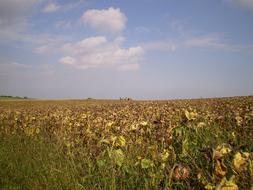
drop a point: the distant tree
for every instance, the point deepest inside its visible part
(125, 99)
(14, 97)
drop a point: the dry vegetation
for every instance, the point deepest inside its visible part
(181, 144)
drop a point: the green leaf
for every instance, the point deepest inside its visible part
(227, 185)
(146, 163)
(117, 156)
(185, 147)
(101, 163)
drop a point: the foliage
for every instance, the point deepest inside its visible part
(97, 144)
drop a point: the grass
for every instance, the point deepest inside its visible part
(67, 145)
(33, 164)
(30, 164)
(12, 98)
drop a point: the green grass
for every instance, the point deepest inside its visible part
(27, 164)
(33, 164)
(70, 151)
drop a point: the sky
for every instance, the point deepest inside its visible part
(145, 49)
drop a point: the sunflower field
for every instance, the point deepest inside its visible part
(126, 144)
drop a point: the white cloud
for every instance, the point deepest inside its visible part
(109, 20)
(16, 64)
(96, 52)
(13, 17)
(67, 60)
(10, 67)
(14, 8)
(87, 45)
(212, 42)
(119, 40)
(51, 7)
(129, 67)
(248, 4)
(12, 29)
(42, 49)
(215, 42)
(70, 5)
(205, 42)
(25, 71)
(160, 46)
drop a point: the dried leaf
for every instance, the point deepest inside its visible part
(144, 123)
(165, 155)
(251, 168)
(227, 185)
(201, 125)
(240, 161)
(181, 172)
(209, 186)
(104, 141)
(121, 141)
(239, 120)
(220, 169)
(190, 115)
(221, 151)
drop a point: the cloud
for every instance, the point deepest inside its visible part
(8, 68)
(215, 42)
(63, 24)
(14, 65)
(129, 67)
(14, 8)
(211, 42)
(109, 20)
(247, 4)
(51, 7)
(97, 52)
(47, 44)
(160, 46)
(44, 49)
(86, 45)
(70, 5)
(205, 42)
(12, 29)
(13, 17)
(67, 60)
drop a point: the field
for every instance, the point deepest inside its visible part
(97, 144)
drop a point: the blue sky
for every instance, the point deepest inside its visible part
(145, 49)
